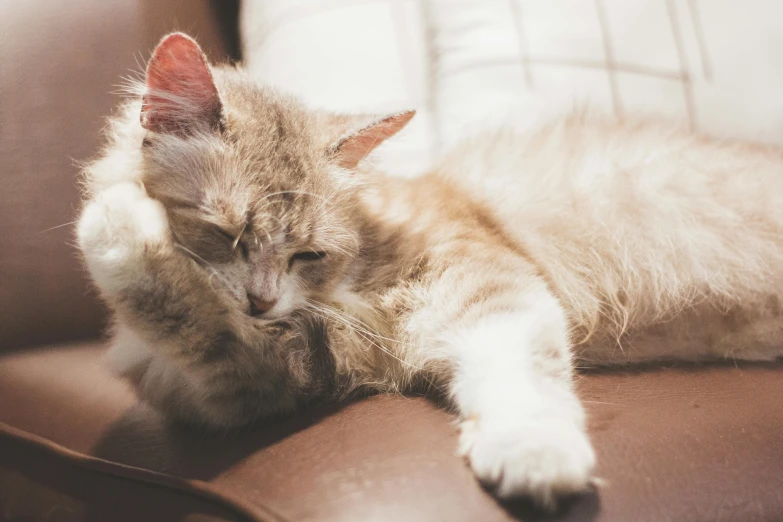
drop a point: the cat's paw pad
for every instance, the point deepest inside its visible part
(542, 459)
(117, 226)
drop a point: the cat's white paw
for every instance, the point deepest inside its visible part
(542, 458)
(115, 229)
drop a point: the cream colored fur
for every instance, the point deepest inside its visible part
(592, 240)
(637, 226)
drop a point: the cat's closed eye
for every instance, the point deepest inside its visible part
(234, 241)
(308, 255)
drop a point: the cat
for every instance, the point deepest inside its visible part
(254, 263)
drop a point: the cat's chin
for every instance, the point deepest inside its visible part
(288, 303)
(270, 319)
(273, 316)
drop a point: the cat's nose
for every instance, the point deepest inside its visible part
(259, 306)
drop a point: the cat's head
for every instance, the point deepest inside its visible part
(259, 189)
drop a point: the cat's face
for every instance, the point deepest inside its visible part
(273, 230)
(259, 190)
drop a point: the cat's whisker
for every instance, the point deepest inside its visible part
(368, 336)
(365, 327)
(329, 314)
(357, 326)
(239, 236)
(361, 329)
(56, 227)
(350, 321)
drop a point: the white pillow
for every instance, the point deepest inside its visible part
(715, 65)
(358, 56)
(470, 64)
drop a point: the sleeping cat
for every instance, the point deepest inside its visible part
(254, 263)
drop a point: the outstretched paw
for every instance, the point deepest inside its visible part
(115, 229)
(542, 459)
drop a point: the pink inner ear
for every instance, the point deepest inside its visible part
(354, 148)
(180, 90)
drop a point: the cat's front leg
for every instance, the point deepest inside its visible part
(117, 227)
(152, 286)
(169, 322)
(189, 349)
(522, 426)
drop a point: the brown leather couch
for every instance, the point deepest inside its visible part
(675, 443)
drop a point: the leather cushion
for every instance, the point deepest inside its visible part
(690, 443)
(42, 481)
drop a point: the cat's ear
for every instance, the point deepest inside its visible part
(180, 94)
(354, 147)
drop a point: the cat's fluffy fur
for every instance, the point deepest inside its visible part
(485, 278)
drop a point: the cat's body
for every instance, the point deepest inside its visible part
(659, 244)
(484, 278)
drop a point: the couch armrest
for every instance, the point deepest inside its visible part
(59, 63)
